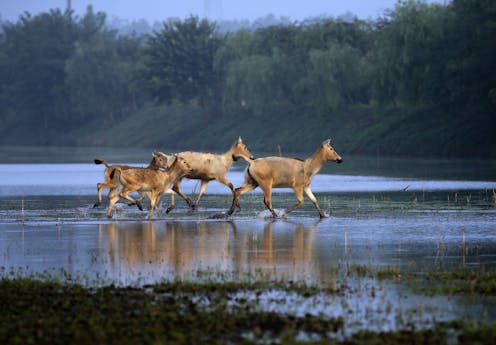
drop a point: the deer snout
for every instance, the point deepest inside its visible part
(339, 160)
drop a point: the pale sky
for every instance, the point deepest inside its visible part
(158, 10)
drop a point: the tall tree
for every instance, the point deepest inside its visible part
(475, 33)
(101, 73)
(412, 53)
(339, 76)
(180, 61)
(34, 53)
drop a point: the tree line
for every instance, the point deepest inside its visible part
(419, 80)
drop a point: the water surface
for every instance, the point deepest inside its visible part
(412, 216)
(81, 179)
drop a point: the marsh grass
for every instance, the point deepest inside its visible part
(461, 280)
(179, 312)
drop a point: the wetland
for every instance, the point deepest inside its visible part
(407, 254)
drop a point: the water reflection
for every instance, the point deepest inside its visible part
(183, 248)
(292, 249)
(132, 252)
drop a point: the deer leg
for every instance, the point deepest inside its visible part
(125, 195)
(176, 189)
(301, 200)
(228, 183)
(172, 204)
(312, 197)
(268, 199)
(113, 198)
(141, 197)
(154, 199)
(203, 187)
(238, 192)
(99, 187)
(109, 183)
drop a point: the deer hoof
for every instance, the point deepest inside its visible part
(219, 216)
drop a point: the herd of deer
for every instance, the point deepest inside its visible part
(165, 171)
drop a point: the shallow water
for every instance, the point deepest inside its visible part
(443, 216)
(81, 179)
(292, 248)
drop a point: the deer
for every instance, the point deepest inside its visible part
(283, 172)
(207, 167)
(158, 161)
(152, 182)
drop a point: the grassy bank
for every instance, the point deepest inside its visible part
(420, 132)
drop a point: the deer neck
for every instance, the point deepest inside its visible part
(174, 174)
(170, 173)
(153, 165)
(315, 163)
(228, 158)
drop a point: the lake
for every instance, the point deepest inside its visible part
(412, 216)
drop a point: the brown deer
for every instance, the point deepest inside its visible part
(150, 181)
(158, 161)
(283, 172)
(208, 166)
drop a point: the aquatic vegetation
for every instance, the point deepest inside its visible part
(462, 280)
(47, 312)
(389, 272)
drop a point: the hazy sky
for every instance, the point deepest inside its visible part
(153, 10)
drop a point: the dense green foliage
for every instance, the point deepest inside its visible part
(421, 80)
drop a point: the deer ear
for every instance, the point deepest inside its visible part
(326, 142)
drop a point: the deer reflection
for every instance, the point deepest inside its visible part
(174, 247)
(180, 248)
(130, 244)
(284, 249)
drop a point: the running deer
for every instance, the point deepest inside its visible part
(208, 167)
(159, 161)
(283, 172)
(150, 181)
